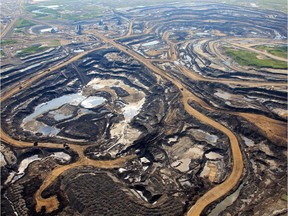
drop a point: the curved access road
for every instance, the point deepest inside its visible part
(195, 76)
(52, 203)
(14, 90)
(248, 47)
(237, 170)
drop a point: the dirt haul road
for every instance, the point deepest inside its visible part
(219, 190)
(52, 203)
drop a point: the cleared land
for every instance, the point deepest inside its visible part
(247, 58)
(8, 42)
(193, 99)
(31, 50)
(280, 51)
(21, 23)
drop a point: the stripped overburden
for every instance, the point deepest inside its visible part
(154, 110)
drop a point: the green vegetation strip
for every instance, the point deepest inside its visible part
(31, 50)
(21, 23)
(54, 43)
(247, 58)
(7, 42)
(2, 53)
(73, 10)
(280, 51)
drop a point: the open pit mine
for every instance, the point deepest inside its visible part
(147, 111)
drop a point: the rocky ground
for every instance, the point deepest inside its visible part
(107, 104)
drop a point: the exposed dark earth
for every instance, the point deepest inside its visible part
(148, 117)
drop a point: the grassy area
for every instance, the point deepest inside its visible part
(19, 31)
(31, 50)
(54, 9)
(284, 197)
(2, 53)
(21, 23)
(40, 11)
(7, 42)
(280, 51)
(88, 9)
(30, 7)
(247, 58)
(54, 43)
(84, 16)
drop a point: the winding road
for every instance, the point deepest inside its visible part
(223, 188)
(211, 196)
(52, 203)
